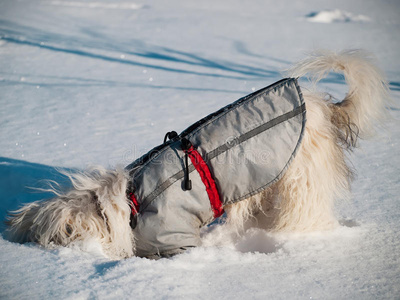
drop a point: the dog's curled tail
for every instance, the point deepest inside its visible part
(364, 104)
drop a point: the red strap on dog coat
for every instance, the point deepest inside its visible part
(135, 204)
(208, 181)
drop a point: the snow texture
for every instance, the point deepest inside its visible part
(86, 83)
(336, 15)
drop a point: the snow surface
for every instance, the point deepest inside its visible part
(336, 15)
(86, 83)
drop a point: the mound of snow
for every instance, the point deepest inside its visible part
(336, 15)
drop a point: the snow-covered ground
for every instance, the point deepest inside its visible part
(100, 82)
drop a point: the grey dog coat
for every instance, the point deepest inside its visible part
(226, 157)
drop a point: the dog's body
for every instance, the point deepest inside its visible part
(302, 200)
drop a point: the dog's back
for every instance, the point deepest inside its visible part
(303, 199)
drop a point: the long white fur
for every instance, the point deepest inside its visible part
(96, 209)
(303, 200)
(368, 88)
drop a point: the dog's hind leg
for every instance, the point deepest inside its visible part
(317, 176)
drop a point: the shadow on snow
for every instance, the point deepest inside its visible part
(16, 33)
(19, 181)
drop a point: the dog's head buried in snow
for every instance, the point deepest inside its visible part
(276, 154)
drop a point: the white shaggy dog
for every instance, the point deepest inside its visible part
(302, 200)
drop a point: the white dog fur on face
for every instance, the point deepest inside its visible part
(95, 209)
(303, 200)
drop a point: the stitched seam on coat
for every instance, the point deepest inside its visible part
(254, 96)
(241, 101)
(303, 112)
(264, 127)
(252, 133)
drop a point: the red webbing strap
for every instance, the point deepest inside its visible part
(205, 174)
(135, 204)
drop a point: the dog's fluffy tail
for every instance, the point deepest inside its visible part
(368, 89)
(95, 209)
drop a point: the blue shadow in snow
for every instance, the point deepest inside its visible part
(103, 268)
(83, 82)
(395, 86)
(18, 181)
(12, 32)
